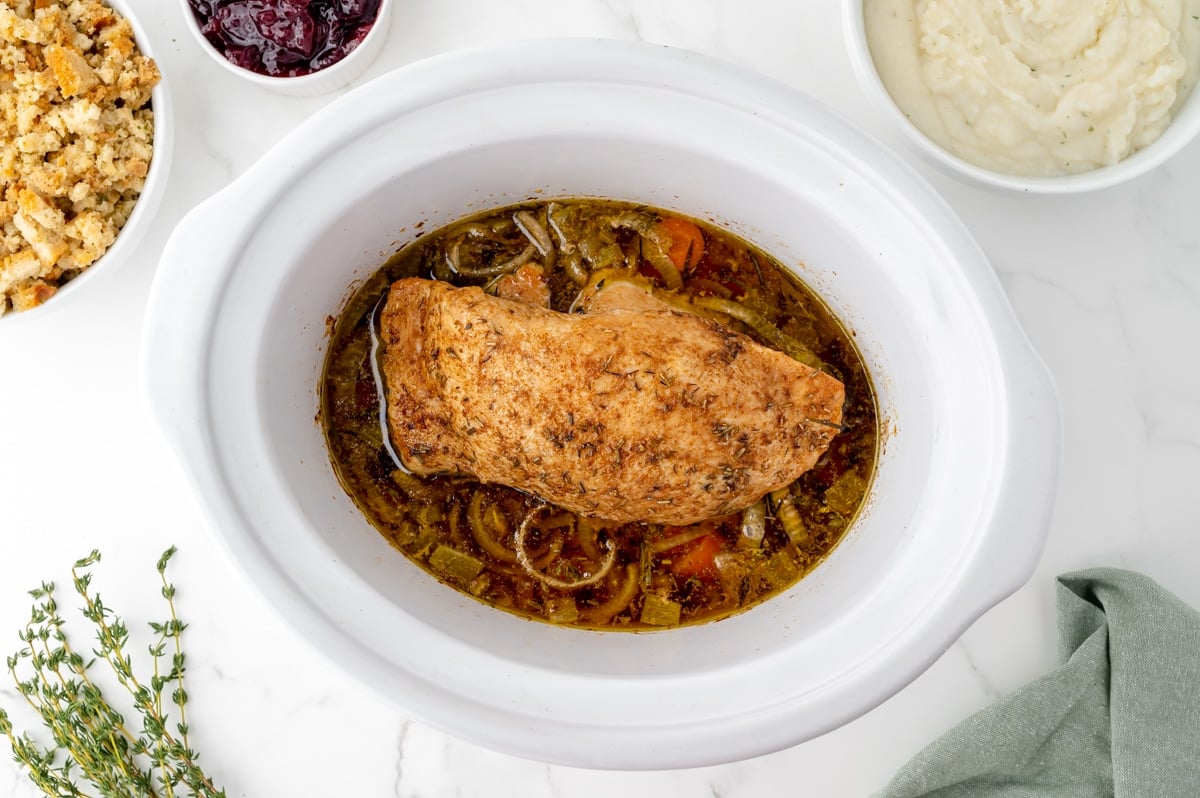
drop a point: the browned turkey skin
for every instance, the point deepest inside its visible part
(631, 411)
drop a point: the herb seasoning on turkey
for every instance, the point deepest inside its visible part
(598, 414)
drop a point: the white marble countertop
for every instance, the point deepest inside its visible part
(1107, 286)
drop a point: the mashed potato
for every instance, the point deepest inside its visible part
(1037, 87)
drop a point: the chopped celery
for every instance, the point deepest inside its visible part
(429, 514)
(562, 609)
(405, 533)
(421, 541)
(479, 585)
(781, 570)
(449, 561)
(659, 611)
(789, 516)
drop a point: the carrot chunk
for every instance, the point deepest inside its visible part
(687, 242)
(698, 560)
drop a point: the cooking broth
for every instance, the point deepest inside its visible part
(511, 550)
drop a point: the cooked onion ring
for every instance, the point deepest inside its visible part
(523, 558)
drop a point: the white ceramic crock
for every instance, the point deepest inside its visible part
(236, 333)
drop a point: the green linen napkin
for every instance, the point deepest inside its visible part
(1119, 717)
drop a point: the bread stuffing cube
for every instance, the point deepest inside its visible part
(72, 72)
(32, 293)
(17, 268)
(48, 245)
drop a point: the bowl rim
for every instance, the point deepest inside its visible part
(175, 392)
(337, 75)
(1183, 128)
(149, 199)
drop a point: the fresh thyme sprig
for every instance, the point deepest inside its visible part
(91, 740)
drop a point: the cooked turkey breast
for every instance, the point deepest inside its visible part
(633, 411)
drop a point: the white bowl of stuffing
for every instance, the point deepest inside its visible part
(1036, 98)
(643, 448)
(86, 151)
(293, 47)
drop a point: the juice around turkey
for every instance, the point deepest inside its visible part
(508, 549)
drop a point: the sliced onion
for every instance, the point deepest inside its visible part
(479, 531)
(754, 526)
(499, 268)
(617, 602)
(523, 558)
(661, 263)
(757, 322)
(534, 231)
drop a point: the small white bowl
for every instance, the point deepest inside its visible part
(333, 77)
(148, 201)
(1184, 127)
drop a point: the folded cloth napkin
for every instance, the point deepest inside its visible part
(1119, 717)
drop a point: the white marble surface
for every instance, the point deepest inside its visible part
(1107, 286)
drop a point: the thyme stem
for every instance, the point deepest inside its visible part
(89, 736)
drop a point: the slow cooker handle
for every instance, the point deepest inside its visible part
(185, 293)
(1022, 515)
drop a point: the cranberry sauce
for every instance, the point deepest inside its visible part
(285, 38)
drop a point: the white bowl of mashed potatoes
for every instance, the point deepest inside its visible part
(1048, 96)
(86, 140)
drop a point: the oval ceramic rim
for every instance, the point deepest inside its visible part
(179, 373)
